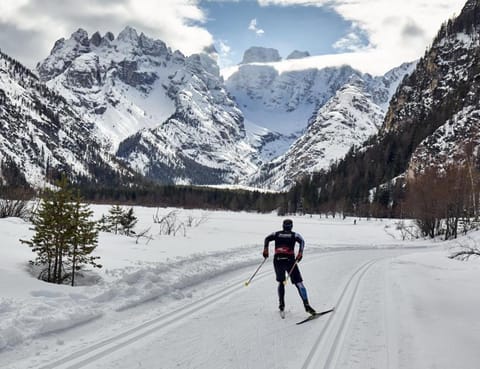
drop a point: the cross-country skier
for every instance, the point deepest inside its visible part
(285, 259)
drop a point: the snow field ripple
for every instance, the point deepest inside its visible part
(326, 348)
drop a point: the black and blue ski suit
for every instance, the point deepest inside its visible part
(284, 260)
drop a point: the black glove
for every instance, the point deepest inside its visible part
(299, 257)
(265, 253)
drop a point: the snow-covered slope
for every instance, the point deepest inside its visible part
(168, 115)
(347, 119)
(317, 114)
(41, 136)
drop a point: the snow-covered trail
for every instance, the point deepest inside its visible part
(234, 326)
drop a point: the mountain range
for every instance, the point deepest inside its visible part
(130, 105)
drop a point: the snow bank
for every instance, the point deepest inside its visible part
(436, 305)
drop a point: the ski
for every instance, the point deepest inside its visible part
(315, 316)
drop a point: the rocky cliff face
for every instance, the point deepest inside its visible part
(42, 137)
(156, 108)
(257, 54)
(437, 104)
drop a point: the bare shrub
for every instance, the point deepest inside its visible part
(191, 221)
(465, 250)
(406, 231)
(15, 208)
(143, 234)
(169, 224)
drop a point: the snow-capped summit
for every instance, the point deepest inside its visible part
(258, 54)
(129, 35)
(160, 111)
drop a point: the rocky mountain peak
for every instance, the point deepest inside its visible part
(471, 5)
(96, 39)
(109, 36)
(152, 47)
(81, 36)
(257, 54)
(129, 34)
(296, 54)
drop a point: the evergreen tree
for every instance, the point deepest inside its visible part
(84, 238)
(64, 235)
(115, 218)
(128, 221)
(103, 225)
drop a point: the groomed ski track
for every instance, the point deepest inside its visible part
(320, 342)
(325, 349)
(84, 357)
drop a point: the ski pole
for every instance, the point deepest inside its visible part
(290, 272)
(248, 282)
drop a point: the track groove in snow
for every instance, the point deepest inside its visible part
(94, 352)
(325, 350)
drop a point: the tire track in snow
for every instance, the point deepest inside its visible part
(325, 350)
(94, 352)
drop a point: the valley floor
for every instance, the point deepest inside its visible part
(181, 302)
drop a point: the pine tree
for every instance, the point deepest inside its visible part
(103, 225)
(115, 218)
(84, 238)
(50, 241)
(64, 235)
(128, 221)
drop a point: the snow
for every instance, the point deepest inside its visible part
(180, 301)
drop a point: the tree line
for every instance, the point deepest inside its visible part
(188, 197)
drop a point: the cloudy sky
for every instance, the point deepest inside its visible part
(376, 34)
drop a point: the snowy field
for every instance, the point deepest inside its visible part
(180, 301)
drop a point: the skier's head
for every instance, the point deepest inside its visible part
(287, 225)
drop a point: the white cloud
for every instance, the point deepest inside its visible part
(352, 42)
(224, 47)
(396, 30)
(295, 2)
(253, 27)
(224, 53)
(29, 28)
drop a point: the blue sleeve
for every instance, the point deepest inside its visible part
(301, 241)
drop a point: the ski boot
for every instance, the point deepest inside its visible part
(281, 307)
(308, 308)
